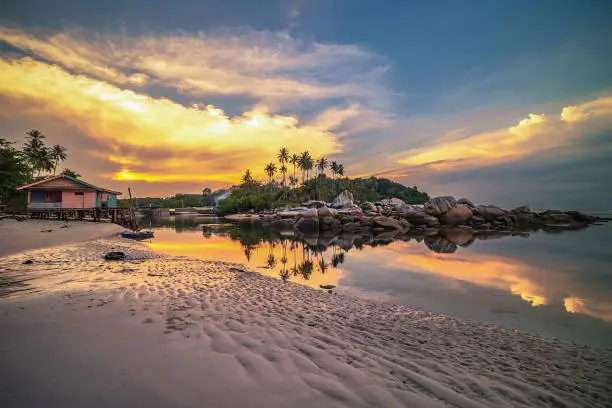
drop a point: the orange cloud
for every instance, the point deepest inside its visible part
(123, 119)
(537, 132)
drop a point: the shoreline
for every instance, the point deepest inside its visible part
(18, 236)
(236, 338)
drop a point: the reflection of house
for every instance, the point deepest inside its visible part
(65, 192)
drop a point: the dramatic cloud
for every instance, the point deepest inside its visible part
(536, 133)
(270, 66)
(131, 125)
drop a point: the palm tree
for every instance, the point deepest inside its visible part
(283, 157)
(58, 154)
(247, 178)
(322, 165)
(71, 173)
(340, 171)
(306, 164)
(270, 170)
(294, 159)
(36, 152)
(283, 170)
(334, 169)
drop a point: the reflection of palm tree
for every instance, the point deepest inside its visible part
(306, 269)
(323, 266)
(248, 251)
(284, 275)
(337, 259)
(271, 261)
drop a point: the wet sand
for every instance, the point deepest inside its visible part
(168, 331)
(18, 236)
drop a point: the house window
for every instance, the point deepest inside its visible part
(78, 193)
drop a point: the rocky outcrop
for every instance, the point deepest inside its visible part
(344, 200)
(440, 205)
(454, 222)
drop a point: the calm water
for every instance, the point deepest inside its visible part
(557, 284)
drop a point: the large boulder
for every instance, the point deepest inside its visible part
(489, 212)
(392, 202)
(466, 201)
(326, 212)
(440, 205)
(523, 209)
(344, 200)
(458, 215)
(386, 223)
(368, 206)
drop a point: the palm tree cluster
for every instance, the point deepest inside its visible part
(303, 162)
(42, 159)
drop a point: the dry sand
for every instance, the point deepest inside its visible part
(31, 234)
(175, 332)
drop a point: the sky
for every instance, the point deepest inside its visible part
(502, 102)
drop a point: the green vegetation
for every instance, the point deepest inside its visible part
(256, 195)
(32, 162)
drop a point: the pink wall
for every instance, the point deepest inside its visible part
(87, 200)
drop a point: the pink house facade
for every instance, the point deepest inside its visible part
(65, 192)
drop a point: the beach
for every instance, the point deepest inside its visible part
(16, 236)
(163, 331)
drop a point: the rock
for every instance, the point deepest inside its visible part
(458, 215)
(465, 201)
(368, 206)
(352, 227)
(560, 218)
(267, 219)
(431, 221)
(307, 224)
(310, 213)
(344, 200)
(392, 202)
(440, 245)
(523, 209)
(326, 220)
(489, 212)
(115, 256)
(282, 224)
(314, 204)
(28, 262)
(459, 237)
(386, 222)
(326, 212)
(327, 287)
(405, 223)
(354, 210)
(440, 205)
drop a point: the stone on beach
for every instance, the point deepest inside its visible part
(387, 223)
(460, 214)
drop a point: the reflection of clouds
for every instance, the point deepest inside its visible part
(574, 304)
(217, 247)
(481, 270)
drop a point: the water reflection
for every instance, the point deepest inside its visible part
(525, 283)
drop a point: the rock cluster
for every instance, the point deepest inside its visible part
(438, 214)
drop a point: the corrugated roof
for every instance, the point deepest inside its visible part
(76, 180)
